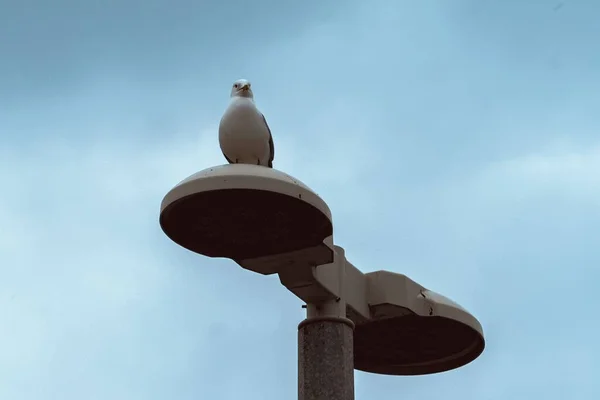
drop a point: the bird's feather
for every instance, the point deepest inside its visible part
(271, 145)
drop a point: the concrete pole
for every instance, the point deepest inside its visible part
(326, 346)
(326, 359)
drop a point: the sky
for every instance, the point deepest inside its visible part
(456, 142)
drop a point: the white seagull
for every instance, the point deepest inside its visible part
(244, 135)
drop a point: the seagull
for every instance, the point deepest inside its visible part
(244, 134)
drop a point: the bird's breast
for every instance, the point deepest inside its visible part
(242, 118)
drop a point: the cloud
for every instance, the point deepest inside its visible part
(441, 153)
(557, 180)
(575, 173)
(512, 242)
(80, 273)
(91, 278)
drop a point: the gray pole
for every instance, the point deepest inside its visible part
(326, 359)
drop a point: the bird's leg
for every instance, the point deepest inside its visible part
(236, 161)
(258, 163)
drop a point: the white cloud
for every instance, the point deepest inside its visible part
(77, 261)
(83, 258)
(577, 173)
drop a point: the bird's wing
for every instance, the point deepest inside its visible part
(271, 145)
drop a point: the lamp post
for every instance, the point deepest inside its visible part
(271, 223)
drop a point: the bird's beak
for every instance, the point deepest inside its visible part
(246, 87)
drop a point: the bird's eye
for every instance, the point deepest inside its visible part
(235, 86)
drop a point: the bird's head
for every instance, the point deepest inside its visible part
(241, 88)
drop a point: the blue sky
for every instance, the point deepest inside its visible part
(455, 141)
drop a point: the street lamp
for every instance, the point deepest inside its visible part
(380, 322)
